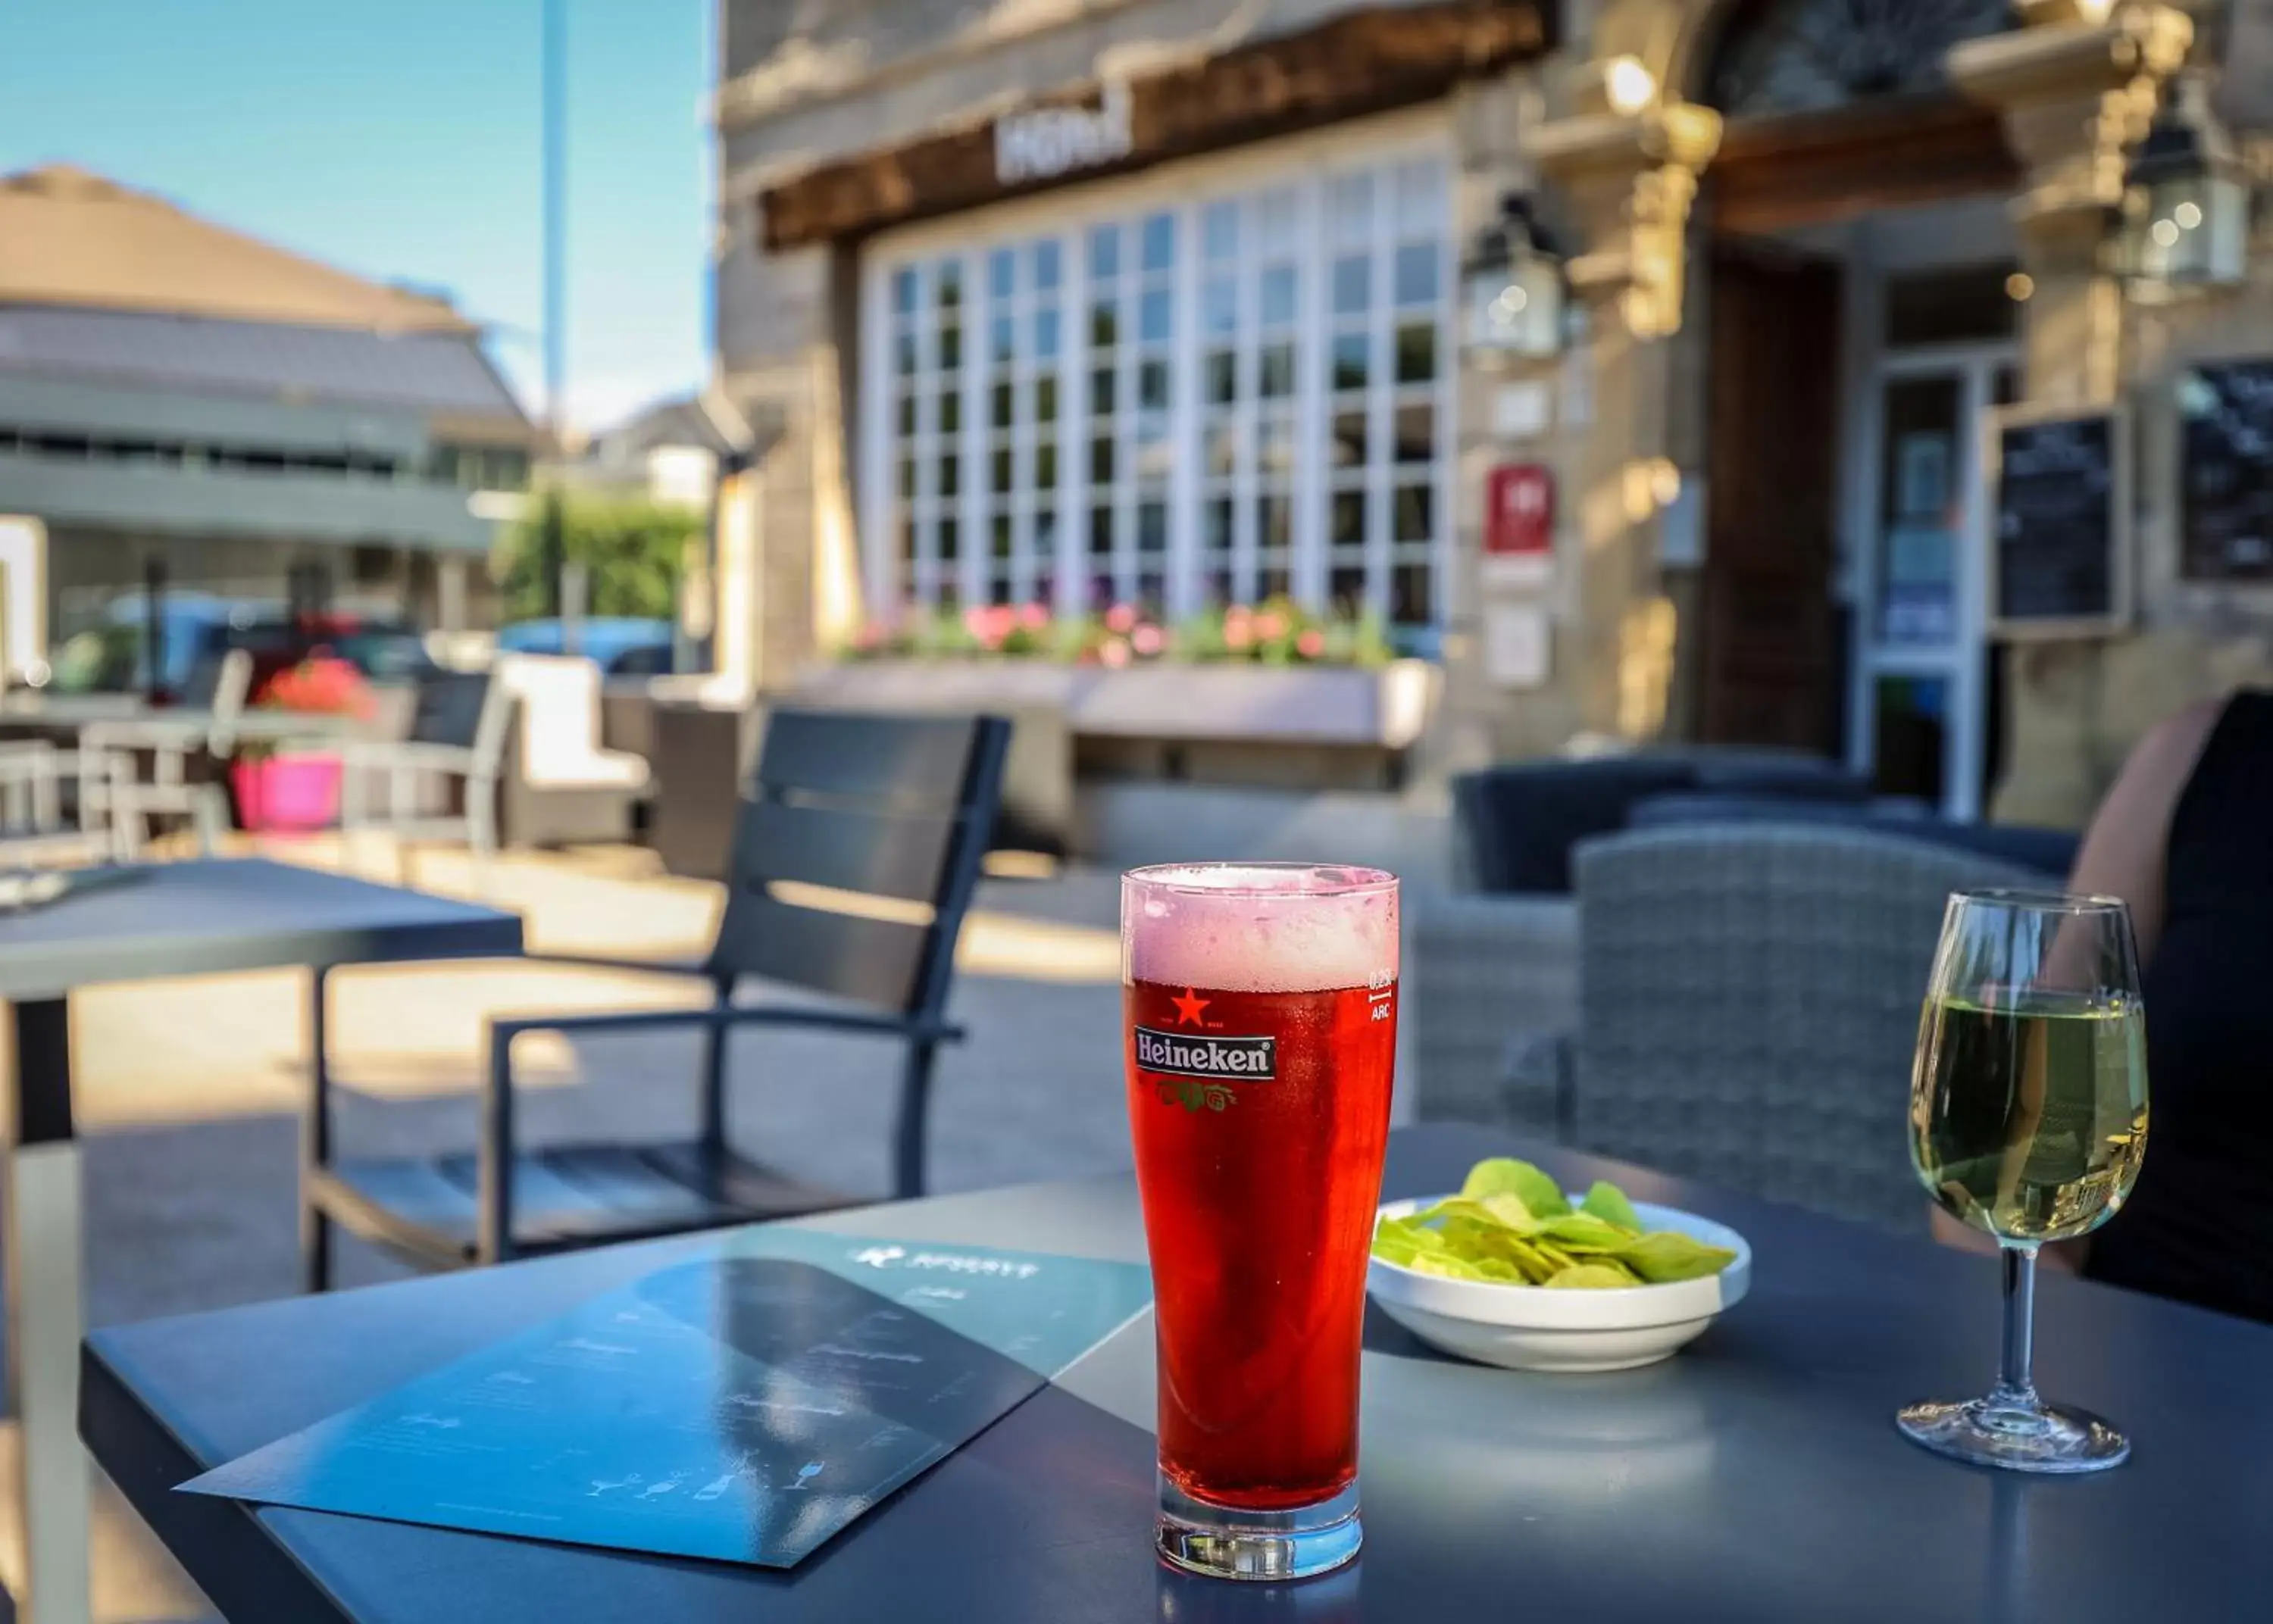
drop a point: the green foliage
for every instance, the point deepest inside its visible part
(634, 549)
(1276, 632)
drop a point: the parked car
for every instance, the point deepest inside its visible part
(195, 627)
(622, 645)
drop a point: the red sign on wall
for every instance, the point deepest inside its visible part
(1520, 510)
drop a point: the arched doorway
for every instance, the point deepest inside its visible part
(1858, 321)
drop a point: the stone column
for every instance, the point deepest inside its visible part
(1626, 182)
(2075, 92)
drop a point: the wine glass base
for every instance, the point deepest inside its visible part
(1223, 1541)
(1984, 1432)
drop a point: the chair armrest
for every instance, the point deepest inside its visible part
(391, 754)
(494, 1169)
(646, 967)
(730, 1016)
(1538, 1093)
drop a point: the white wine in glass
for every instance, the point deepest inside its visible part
(2028, 1122)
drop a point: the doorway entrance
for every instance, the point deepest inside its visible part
(1854, 363)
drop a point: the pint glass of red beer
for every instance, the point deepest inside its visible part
(1261, 1003)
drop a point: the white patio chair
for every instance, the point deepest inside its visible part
(440, 784)
(34, 830)
(169, 745)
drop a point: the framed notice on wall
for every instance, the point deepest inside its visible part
(2059, 556)
(2226, 471)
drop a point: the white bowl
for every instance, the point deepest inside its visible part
(1529, 1327)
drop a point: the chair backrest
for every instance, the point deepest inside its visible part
(560, 698)
(896, 810)
(1749, 1001)
(231, 687)
(450, 708)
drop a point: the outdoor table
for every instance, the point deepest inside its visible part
(185, 919)
(1756, 1475)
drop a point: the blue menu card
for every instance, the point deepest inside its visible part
(746, 1405)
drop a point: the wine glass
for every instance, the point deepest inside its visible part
(2027, 1121)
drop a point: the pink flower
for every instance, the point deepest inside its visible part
(1237, 614)
(974, 620)
(1121, 618)
(1001, 620)
(869, 636)
(1148, 640)
(1033, 616)
(1114, 653)
(1270, 625)
(1311, 644)
(1237, 634)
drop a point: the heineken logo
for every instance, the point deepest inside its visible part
(1235, 1059)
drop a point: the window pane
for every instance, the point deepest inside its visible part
(950, 411)
(903, 290)
(1349, 360)
(950, 349)
(951, 474)
(1104, 251)
(1278, 295)
(1046, 399)
(1278, 370)
(1002, 471)
(1349, 208)
(1349, 518)
(1219, 304)
(1046, 258)
(907, 349)
(1414, 505)
(1274, 219)
(1354, 284)
(1153, 527)
(1416, 353)
(1100, 532)
(1416, 433)
(1002, 272)
(1100, 391)
(1153, 316)
(1274, 580)
(908, 477)
(1274, 521)
(1345, 586)
(1408, 595)
(1417, 274)
(1222, 444)
(949, 284)
(1045, 333)
(1001, 535)
(1046, 534)
(1005, 340)
(1045, 465)
(1216, 519)
(950, 541)
(907, 415)
(1222, 377)
(1274, 451)
(1159, 249)
(1348, 450)
(1152, 386)
(1219, 230)
(1002, 405)
(1104, 326)
(907, 540)
(1100, 460)
(1153, 456)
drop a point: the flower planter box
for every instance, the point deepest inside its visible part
(288, 793)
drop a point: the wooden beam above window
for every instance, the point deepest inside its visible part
(1361, 63)
(1773, 174)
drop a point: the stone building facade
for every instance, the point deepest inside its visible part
(1174, 288)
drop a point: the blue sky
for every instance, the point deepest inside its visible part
(402, 140)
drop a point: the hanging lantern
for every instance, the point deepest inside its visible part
(1513, 281)
(2185, 202)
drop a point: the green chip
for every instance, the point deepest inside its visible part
(1609, 1203)
(1503, 1175)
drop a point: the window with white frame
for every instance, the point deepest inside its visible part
(1171, 393)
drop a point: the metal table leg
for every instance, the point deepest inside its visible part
(46, 1317)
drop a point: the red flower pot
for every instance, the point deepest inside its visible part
(288, 793)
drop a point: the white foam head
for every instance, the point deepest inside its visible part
(1262, 927)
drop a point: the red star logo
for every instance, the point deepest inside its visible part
(1188, 1007)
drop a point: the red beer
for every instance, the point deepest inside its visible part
(1261, 1006)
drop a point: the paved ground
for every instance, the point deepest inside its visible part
(189, 1090)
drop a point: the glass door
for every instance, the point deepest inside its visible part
(1919, 707)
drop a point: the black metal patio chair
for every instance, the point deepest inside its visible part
(884, 806)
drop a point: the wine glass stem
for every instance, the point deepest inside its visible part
(2016, 1383)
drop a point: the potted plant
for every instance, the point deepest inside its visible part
(281, 789)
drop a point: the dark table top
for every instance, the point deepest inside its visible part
(1756, 1477)
(232, 914)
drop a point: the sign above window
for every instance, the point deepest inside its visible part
(1048, 142)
